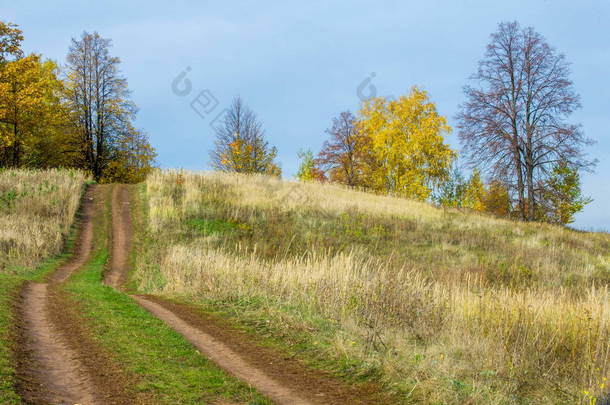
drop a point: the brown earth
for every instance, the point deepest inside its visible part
(121, 237)
(283, 379)
(58, 361)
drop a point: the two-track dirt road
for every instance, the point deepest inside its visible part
(57, 369)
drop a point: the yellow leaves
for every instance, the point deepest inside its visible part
(406, 139)
(475, 193)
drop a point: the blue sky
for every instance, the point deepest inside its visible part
(298, 64)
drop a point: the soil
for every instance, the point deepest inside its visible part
(284, 380)
(58, 360)
(121, 237)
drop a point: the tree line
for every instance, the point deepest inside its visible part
(79, 116)
(524, 155)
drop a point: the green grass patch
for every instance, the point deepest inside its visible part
(169, 368)
(208, 227)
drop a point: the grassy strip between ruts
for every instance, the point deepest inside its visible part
(167, 366)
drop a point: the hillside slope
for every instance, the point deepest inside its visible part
(440, 306)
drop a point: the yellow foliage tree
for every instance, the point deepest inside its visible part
(132, 160)
(406, 143)
(474, 194)
(497, 199)
(33, 122)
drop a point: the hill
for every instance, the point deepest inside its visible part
(439, 306)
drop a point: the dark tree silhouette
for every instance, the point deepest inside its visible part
(515, 119)
(340, 155)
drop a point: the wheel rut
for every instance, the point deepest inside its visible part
(49, 370)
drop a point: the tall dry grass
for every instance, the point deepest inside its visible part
(37, 208)
(453, 307)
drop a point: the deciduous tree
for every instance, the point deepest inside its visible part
(240, 144)
(308, 171)
(515, 119)
(497, 199)
(407, 142)
(342, 156)
(474, 193)
(99, 99)
(132, 158)
(31, 113)
(563, 197)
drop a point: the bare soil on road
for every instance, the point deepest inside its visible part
(58, 362)
(284, 380)
(121, 237)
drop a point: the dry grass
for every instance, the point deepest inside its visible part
(36, 211)
(453, 307)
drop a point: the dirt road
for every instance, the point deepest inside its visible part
(59, 362)
(49, 369)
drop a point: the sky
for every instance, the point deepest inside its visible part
(297, 64)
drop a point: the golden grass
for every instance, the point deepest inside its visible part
(453, 307)
(36, 211)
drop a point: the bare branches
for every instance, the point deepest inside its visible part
(339, 156)
(240, 144)
(100, 98)
(514, 122)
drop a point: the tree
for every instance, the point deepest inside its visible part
(240, 144)
(308, 170)
(563, 196)
(10, 42)
(31, 113)
(451, 192)
(99, 99)
(474, 193)
(407, 143)
(342, 156)
(514, 122)
(132, 160)
(497, 199)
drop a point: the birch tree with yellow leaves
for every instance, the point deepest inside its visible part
(407, 144)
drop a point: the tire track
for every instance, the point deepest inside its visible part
(121, 237)
(49, 370)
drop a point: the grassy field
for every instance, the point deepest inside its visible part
(37, 209)
(440, 306)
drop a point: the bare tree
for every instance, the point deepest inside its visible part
(100, 99)
(340, 155)
(240, 144)
(514, 122)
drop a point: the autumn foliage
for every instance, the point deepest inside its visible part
(79, 118)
